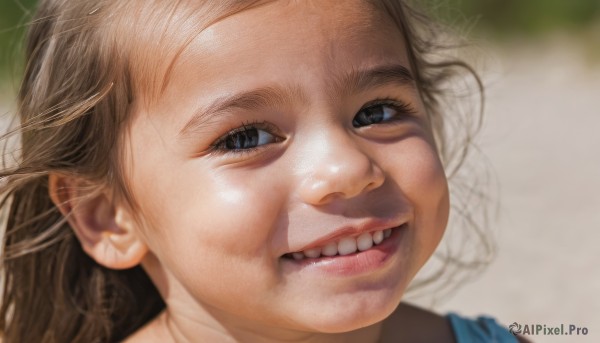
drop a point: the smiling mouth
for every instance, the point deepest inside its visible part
(345, 245)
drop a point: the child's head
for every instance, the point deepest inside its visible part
(222, 150)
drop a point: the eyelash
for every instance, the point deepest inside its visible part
(402, 108)
(218, 146)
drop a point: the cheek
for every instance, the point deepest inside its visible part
(420, 176)
(214, 226)
(433, 213)
(239, 211)
(224, 212)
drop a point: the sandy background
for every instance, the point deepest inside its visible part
(542, 137)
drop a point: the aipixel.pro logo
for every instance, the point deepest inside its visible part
(546, 330)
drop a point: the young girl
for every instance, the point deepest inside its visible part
(227, 171)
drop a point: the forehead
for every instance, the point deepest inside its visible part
(244, 42)
(278, 27)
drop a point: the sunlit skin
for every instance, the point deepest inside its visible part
(217, 221)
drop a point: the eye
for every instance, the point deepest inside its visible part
(247, 137)
(379, 113)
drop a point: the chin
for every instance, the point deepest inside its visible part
(353, 315)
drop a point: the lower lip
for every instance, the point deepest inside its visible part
(357, 263)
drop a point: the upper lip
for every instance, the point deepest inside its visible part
(369, 225)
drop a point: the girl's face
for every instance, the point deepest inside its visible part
(286, 130)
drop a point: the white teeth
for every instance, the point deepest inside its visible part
(378, 237)
(364, 241)
(347, 246)
(313, 253)
(330, 249)
(387, 233)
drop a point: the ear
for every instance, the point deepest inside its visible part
(107, 231)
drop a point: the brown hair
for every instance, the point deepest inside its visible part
(74, 101)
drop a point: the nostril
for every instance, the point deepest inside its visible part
(378, 177)
(330, 197)
(373, 185)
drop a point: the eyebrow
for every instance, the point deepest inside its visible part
(261, 98)
(355, 81)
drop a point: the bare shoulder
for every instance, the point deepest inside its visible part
(414, 324)
(410, 323)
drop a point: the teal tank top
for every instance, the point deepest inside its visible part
(480, 330)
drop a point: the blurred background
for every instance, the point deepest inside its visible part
(540, 63)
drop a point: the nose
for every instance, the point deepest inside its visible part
(338, 169)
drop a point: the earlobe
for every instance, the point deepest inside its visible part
(121, 246)
(106, 231)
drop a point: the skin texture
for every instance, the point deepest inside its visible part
(211, 225)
